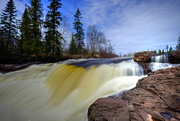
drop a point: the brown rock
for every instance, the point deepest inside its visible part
(175, 57)
(108, 109)
(155, 98)
(144, 56)
(146, 67)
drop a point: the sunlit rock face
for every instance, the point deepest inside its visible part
(62, 92)
(144, 56)
(155, 98)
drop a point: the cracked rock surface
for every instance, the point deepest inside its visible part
(155, 98)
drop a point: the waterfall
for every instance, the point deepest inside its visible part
(62, 91)
(160, 62)
(160, 58)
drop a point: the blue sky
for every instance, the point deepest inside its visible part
(131, 25)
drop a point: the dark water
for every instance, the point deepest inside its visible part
(166, 115)
(97, 62)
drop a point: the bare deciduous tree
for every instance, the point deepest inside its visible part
(97, 42)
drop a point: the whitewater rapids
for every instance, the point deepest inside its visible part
(62, 91)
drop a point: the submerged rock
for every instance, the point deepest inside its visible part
(144, 56)
(155, 98)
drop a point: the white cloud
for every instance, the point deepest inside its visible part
(136, 25)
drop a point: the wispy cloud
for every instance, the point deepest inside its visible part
(136, 25)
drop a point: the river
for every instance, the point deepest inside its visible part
(63, 91)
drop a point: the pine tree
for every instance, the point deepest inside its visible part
(73, 46)
(155, 51)
(25, 43)
(53, 37)
(2, 42)
(35, 12)
(178, 44)
(159, 51)
(170, 50)
(79, 36)
(163, 51)
(8, 28)
(167, 49)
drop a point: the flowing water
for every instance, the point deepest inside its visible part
(161, 62)
(63, 91)
(160, 58)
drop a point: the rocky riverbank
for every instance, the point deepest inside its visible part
(145, 56)
(155, 98)
(5, 68)
(144, 59)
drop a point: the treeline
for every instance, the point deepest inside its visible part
(166, 50)
(159, 51)
(33, 36)
(169, 49)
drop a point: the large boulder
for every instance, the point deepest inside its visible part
(155, 98)
(144, 56)
(109, 109)
(175, 57)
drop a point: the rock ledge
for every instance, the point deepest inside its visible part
(144, 56)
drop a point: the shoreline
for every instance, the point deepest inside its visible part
(155, 98)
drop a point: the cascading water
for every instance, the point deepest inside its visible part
(62, 92)
(160, 62)
(160, 58)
